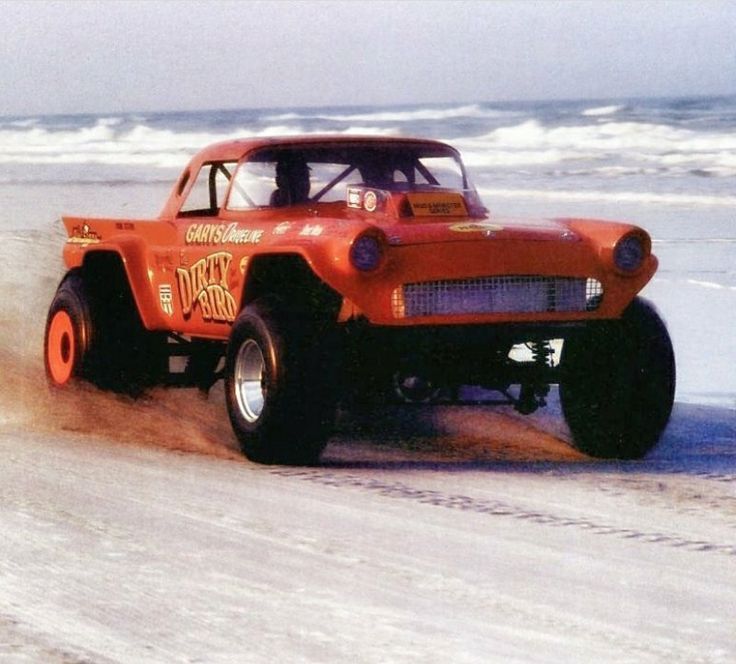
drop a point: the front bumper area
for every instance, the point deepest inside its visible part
(453, 354)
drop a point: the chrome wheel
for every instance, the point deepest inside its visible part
(269, 363)
(250, 376)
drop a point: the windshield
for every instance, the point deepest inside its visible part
(277, 177)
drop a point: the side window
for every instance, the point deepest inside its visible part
(209, 189)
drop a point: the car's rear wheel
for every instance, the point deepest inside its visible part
(278, 387)
(69, 333)
(618, 384)
(99, 338)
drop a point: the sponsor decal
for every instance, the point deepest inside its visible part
(282, 228)
(355, 197)
(222, 234)
(124, 226)
(204, 286)
(84, 235)
(365, 199)
(476, 227)
(370, 201)
(311, 230)
(166, 298)
(437, 205)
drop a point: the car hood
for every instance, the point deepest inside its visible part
(415, 231)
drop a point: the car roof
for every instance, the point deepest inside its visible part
(235, 149)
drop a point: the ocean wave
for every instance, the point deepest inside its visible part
(711, 285)
(638, 197)
(630, 146)
(597, 143)
(422, 114)
(22, 124)
(613, 137)
(107, 143)
(493, 158)
(603, 110)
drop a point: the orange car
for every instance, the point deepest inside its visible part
(334, 269)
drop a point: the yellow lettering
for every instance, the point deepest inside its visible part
(204, 305)
(185, 290)
(199, 275)
(205, 284)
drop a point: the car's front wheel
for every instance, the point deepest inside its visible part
(279, 397)
(618, 384)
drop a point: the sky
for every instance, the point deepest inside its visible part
(108, 56)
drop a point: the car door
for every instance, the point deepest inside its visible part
(201, 294)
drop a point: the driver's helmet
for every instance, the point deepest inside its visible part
(292, 180)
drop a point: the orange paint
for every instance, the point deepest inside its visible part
(60, 351)
(180, 283)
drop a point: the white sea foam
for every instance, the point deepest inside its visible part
(495, 158)
(607, 137)
(708, 284)
(605, 150)
(603, 110)
(468, 111)
(26, 122)
(635, 145)
(141, 145)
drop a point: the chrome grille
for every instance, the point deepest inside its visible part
(491, 295)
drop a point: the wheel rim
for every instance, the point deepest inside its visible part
(250, 380)
(60, 351)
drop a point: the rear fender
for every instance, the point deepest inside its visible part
(128, 261)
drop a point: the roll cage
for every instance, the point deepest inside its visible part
(250, 184)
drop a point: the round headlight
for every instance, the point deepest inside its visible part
(629, 253)
(366, 253)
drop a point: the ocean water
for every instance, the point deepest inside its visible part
(668, 165)
(678, 150)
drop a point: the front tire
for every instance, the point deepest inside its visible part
(618, 384)
(278, 390)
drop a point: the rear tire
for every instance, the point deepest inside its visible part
(618, 384)
(279, 387)
(69, 334)
(98, 336)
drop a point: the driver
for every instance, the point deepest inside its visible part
(292, 181)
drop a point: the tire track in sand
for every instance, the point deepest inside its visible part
(502, 509)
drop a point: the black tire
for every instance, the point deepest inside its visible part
(287, 413)
(99, 337)
(70, 334)
(618, 384)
